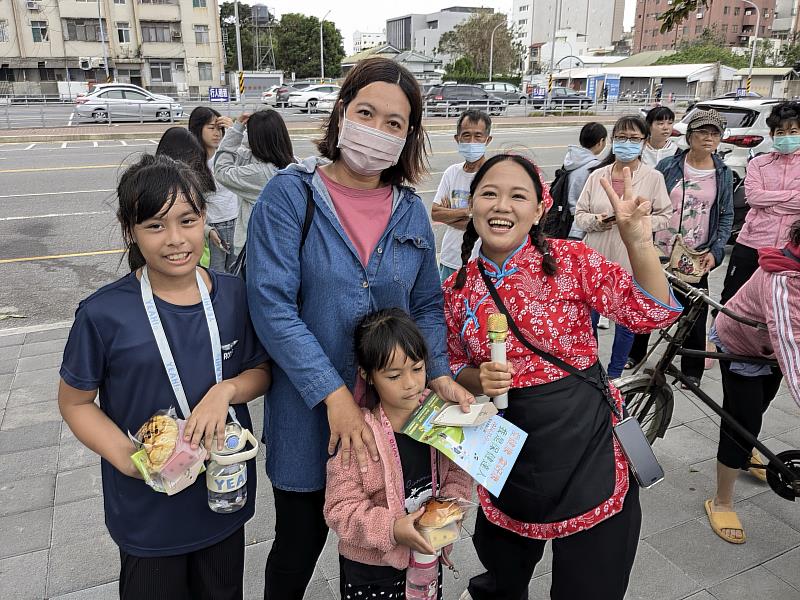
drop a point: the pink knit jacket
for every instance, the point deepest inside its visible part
(362, 507)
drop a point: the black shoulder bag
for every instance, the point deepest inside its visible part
(627, 431)
(239, 265)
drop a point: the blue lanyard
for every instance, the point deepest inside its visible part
(163, 345)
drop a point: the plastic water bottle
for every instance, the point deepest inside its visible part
(226, 472)
(422, 577)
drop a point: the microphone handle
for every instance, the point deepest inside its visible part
(499, 356)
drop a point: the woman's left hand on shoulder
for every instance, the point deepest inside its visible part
(632, 212)
(209, 416)
(449, 390)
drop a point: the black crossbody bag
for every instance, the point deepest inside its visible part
(628, 431)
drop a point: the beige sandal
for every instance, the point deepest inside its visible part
(721, 520)
(758, 473)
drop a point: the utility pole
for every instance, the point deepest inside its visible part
(321, 49)
(491, 50)
(556, 15)
(102, 40)
(755, 45)
(240, 78)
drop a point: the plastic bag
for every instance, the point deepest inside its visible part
(166, 461)
(443, 519)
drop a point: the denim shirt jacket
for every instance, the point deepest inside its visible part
(721, 218)
(311, 344)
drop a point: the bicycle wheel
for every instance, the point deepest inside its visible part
(649, 400)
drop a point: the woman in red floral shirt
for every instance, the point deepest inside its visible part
(571, 482)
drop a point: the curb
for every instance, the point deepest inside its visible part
(130, 135)
(34, 328)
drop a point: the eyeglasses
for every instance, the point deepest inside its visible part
(709, 133)
(623, 139)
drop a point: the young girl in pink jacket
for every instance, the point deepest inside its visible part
(373, 512)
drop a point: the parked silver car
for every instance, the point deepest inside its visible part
(126, 103)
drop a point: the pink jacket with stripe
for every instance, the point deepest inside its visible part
(772, 187)
(771, 297)
(362, 507)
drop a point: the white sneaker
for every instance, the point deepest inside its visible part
(603, 323)
(465, 595)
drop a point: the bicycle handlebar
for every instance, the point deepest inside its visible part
(694, 292)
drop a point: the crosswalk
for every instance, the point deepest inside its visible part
(76, 145)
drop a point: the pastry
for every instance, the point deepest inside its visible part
(159, 435)
(439, 513)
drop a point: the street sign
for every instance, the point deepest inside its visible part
(217, 94)
(741, 92)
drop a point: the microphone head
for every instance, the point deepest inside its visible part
(497, 326)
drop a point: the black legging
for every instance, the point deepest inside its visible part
(741, 266)
(595, 563)
(300, 534)
(690, 365)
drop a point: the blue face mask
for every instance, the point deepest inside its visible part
(626, 151)
(786, 144)
(471, 152)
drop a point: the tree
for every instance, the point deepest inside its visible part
(680, 11)
(228, 28)
(709, 47)
(789, 56)
(297, 46)
(471, 38)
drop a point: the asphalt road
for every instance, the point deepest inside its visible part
(59, 239)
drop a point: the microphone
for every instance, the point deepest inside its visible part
(497, 333)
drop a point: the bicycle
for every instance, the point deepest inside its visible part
(649, 397)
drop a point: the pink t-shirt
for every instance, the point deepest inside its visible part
(701, 193)
(364, 214)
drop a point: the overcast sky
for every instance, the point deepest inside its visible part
(371, 16)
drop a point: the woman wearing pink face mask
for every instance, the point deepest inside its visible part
(330, 240)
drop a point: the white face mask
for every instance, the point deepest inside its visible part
(366, 150)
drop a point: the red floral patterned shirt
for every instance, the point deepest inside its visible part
(554, 313)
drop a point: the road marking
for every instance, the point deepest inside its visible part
(123, 143)
(54, 215)
(31, 146)
(71, 116)
(64, 145)
(94, 144)
(73, 168)
(38, 194)
(5, 261)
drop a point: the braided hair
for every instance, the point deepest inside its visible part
(536, 233)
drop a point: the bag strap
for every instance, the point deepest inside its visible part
(601, 385)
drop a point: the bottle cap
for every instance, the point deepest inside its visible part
(424, 559)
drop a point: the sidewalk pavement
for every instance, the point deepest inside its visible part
(154, 130)
(53, 541)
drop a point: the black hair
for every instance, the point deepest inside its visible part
(659, 113)
(411, 166)
(591, 134)
(199, 118)
(623, 123)
(380, 333)
(179, 144)
(536, 233)
(476, 116)
(783, 114)
(794, 233)
(269, 139)
(149, 188)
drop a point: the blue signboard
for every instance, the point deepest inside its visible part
(593, 86)
(218, 94)
(612, 85)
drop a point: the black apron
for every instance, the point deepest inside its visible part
(566, 466)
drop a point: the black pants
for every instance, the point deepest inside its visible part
(595, 563)
(300, 534)
(213, 573)
(741, 266)
(746, 399)
(690, 365)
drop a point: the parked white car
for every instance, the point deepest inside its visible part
(327, 102)
(307, 98)
(270, 96)
(126, 102)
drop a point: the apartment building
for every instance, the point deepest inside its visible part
(364, 41)
(422, 32)
(733, 20)
(785, 23)
(596, 23)
(167, 46)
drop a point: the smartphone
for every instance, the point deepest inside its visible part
(611, 219)
(643, 462)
